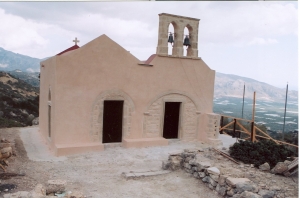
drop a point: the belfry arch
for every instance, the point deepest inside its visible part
(192, 36)
(171, 32)
(186, 34)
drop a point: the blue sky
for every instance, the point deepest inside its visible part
(257, 39)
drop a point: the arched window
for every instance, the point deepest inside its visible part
(49, 113)
(170, 45)
(186, 33)
(49, 95)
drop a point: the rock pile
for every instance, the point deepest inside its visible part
(280, 168)
(5, 149)
(35, 121)
(227, 186)
(6, 152)
(53, 189)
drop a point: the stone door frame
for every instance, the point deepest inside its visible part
(155, 111)
(96, 133)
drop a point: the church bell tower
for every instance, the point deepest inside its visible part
(179, 23)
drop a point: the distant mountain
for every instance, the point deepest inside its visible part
(232, 86)
(11, 61)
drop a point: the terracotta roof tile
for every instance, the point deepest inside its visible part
(69, 49)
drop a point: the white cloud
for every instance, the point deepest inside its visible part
(3, 65)
(28, 37)
(18, 32)
(262, 41)
(30, 70)
(241, 23)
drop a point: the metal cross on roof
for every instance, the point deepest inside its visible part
(76, 41)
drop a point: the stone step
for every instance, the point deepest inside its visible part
(132, 175)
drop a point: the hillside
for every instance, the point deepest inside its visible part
(31, 78)
(10, 61)
(232, 86)
(18, 101)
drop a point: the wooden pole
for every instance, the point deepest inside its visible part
(222, 120)
(252, 132)
(225, 155)
(264, 133)
(242, 127)
(226, 116)
(234, 126)
(253, 119)
(230, 123)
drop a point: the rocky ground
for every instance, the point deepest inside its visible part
(229, 179)
(100, 174)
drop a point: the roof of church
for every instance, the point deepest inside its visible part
(69, 49)
(148, 61)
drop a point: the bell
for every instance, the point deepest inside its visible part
(171, 39)
(186, 41)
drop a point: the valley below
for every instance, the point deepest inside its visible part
(268, 113)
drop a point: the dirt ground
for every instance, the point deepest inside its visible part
(99, 174)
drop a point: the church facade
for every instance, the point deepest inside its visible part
(101, 94)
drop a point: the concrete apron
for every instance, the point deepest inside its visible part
(35, 147)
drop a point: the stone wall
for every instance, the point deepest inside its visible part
(227, 186)
(212, 123)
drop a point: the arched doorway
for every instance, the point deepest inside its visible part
(111, 107)
(181, 107)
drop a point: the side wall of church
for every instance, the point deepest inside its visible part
(47, 99)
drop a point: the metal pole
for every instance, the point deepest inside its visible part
(253, 108)
(287, 87)
(243, 102)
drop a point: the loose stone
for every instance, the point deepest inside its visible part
(266, 193)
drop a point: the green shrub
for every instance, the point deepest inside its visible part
(258, 153)
(7, 123)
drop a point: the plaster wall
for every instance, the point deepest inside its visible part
(47, 98)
